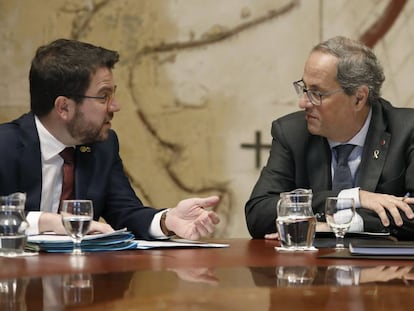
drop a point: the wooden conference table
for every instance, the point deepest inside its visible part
(248, 275)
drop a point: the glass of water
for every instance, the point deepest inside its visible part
(339, 213)
(77, 216)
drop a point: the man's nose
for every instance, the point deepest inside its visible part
(304, 101)
(114, 105)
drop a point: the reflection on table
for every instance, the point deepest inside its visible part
(81, 289)
(338, 275)
(249, 275)
(53, 292)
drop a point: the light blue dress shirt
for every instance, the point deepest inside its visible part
(353, 161)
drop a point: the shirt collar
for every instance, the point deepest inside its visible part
(49, 145)
(359, 138)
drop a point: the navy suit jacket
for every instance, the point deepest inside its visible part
(99, 176)
(301, 160)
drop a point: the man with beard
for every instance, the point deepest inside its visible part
(72, 92)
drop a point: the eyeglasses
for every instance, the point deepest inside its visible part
(315, 97)
(105, 99)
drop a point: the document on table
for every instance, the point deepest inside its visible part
(382, 248)
(55, 243)
(177, 243)
(56, 238)
(117, 240)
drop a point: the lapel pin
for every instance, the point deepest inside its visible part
(376, 154)
(85, 149)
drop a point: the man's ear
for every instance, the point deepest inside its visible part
(63, 106)
(361, 95)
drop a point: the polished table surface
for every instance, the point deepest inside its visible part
(248, 275)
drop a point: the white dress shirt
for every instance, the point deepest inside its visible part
(52, 175)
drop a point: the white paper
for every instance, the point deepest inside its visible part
(53, 237)
(176, 243)
(142, 244)
(296, 249)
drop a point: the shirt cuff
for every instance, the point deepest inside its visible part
(357, 224)
(155, 228)
(351, 193)
(33, 219)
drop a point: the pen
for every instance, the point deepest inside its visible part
(407, 195)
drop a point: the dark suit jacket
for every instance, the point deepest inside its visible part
(301, 160)
(99, 176)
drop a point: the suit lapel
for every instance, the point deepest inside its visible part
(375, 151)
(30, 163)
(319, 164)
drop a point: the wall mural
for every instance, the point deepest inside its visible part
(199, 81)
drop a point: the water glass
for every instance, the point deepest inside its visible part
(77, 216)
(339, 213)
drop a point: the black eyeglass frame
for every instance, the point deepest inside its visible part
(317, 100)
(107, 98)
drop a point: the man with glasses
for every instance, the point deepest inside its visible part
(72, 104)
(339, 94)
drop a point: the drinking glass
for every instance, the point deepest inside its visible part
(76, 218)
(339, 213)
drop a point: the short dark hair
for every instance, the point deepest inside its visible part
(64, 67)
(357, 65)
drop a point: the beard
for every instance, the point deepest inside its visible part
(86, 132)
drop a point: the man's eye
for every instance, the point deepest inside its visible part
(105, 97)
(315, 93)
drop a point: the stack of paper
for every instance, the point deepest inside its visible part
(53, 243)
(177, 243)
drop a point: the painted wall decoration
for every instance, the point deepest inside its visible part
(200, 81)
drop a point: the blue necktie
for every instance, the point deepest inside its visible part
(342, 174)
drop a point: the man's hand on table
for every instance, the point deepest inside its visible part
(380, 203)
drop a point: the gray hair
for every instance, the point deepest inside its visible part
(357, 65)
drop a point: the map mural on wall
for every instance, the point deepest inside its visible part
(200, 81)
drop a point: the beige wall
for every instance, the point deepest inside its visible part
(198, 78)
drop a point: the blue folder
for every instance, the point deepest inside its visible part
(118, 240)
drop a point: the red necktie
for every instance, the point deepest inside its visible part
(68, 173)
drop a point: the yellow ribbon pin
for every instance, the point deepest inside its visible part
(85, 149)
